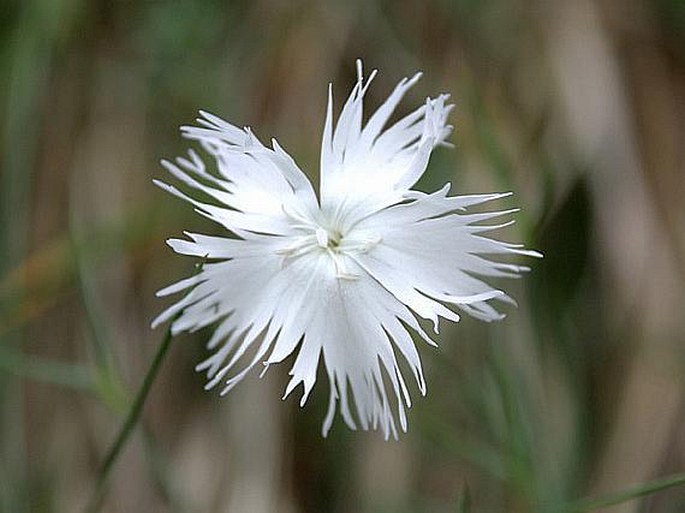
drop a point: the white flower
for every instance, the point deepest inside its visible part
(341, 277)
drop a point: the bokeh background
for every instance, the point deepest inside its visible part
(576, 106)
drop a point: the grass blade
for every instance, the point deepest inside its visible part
(630, 494)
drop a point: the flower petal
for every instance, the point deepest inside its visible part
(254, 183)
(431, 255)
(356, 328)
(371, 168)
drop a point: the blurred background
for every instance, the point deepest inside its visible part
(578, 107)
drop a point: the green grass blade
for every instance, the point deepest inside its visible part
(56, 373)
(630, 494)
(464, 500)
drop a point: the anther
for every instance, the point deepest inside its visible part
(322, 238)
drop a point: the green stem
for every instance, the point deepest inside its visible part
(127, 428)
(626, 495)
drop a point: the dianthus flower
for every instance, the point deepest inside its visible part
(340, 277)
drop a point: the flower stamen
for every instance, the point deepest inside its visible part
(322, 238)
(341, 271)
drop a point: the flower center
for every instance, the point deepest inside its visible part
(312, 236)
(328, 239)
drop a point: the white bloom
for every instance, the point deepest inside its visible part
(340, 278)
